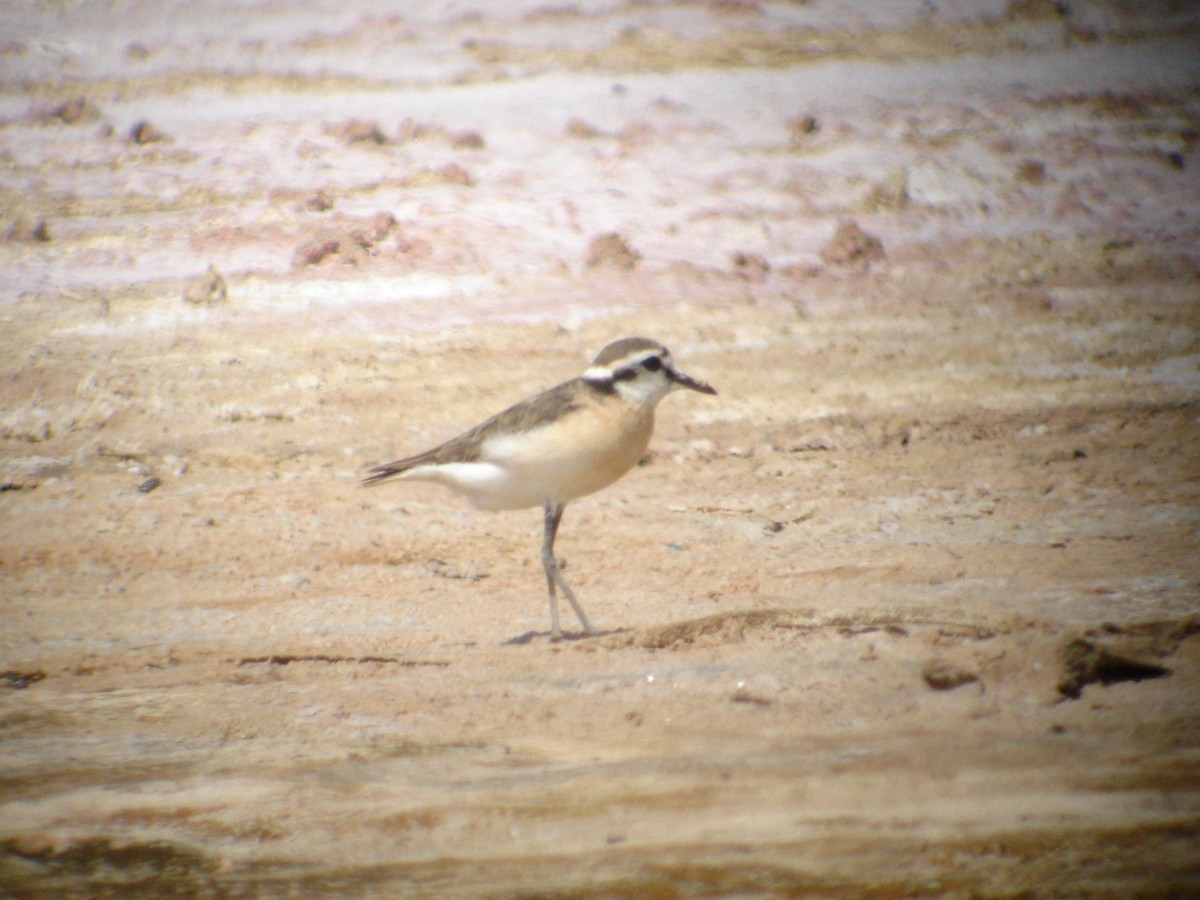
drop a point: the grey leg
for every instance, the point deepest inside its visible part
(553, 514)
(554, 577)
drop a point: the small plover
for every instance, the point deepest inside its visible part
(567, 442)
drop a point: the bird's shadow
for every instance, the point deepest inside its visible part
(529, 636)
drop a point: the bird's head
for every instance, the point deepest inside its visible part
(640, 370)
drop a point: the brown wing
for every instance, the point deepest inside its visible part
(467, 447)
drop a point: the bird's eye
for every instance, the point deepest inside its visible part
(653, 364)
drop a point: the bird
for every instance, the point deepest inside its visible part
(562, 444)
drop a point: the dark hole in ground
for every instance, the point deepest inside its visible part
(1085, 662)
(21, 680)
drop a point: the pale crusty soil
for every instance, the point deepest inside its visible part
(911, 608)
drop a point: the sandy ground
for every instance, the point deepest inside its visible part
(909, 609)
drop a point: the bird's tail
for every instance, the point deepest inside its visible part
(392, 469)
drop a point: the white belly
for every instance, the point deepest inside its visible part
(551, 464)
(486, 485)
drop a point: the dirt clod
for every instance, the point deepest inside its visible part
(944, 676)
(75, 110)
(468, 140)
(853, 248)
(751, 266)
(318, 201)
(28, 231)
(1031, 171)
(143, 133)
(208, 289)
(359, 131)
(611, 250)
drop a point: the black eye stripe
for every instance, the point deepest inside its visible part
(649, 364)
